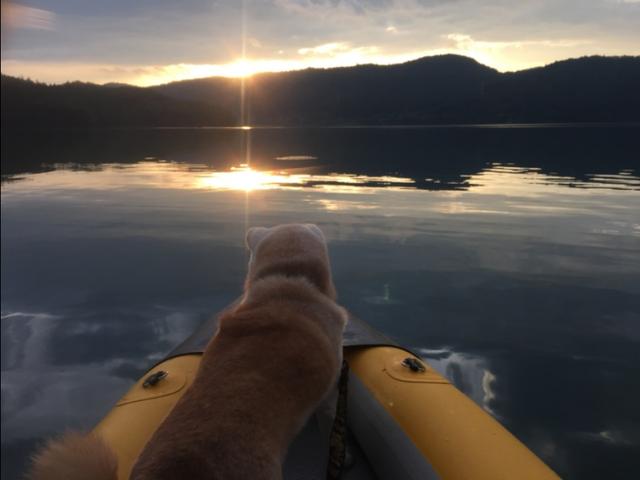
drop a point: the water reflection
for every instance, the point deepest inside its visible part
(573, 430)
(469, 373)
(433, 157)
(245, 178)
(518, 280)
(495, 179)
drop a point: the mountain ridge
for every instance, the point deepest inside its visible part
(440, 89)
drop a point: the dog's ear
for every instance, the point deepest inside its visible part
(254, 236)
(313, 228)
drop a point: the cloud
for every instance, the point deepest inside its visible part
(254, 42)
(15, 15)
(341, 53)
(325, 49)
(465, 42)
(488, 379)
(197, 35)
(511, 55)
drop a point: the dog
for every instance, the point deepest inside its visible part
(274, 360)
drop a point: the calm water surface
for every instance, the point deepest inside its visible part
(508, 257)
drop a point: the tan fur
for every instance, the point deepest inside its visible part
(275, 358)
(74, 456)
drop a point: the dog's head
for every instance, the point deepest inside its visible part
(296, 250)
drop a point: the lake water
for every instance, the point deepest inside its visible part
(508, 257)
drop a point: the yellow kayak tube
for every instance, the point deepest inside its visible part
(405, 421)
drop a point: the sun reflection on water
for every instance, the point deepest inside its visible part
(242, 177)
(245, 178)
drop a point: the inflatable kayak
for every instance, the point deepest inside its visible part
(404, 420)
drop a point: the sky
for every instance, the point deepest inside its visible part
(147, 42)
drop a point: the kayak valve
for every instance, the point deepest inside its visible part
(154, 378)
(414, 365)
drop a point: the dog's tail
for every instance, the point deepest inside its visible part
(75, 456)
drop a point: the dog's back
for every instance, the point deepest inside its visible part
(274, 359)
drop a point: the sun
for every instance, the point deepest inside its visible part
(240, 68)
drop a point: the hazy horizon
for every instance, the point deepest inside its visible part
(24, 77)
